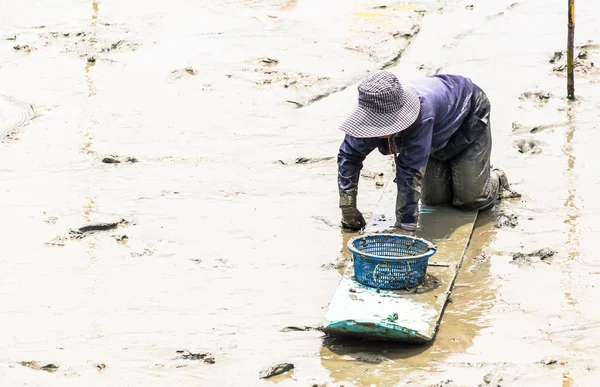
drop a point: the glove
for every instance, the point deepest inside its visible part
(352, 218)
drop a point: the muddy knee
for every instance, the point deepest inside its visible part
(437, 184)
(474, 197)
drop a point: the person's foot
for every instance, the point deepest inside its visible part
(502, 179)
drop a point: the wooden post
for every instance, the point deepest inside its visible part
(571, 37)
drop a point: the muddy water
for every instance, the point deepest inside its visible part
(228, 240)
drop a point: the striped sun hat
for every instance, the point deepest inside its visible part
(384, 107)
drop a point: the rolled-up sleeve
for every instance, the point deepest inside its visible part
(415, 148)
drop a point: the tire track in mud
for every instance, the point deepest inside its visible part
(14, 114)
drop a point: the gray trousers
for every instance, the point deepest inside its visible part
(464, 180)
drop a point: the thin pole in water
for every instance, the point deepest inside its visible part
(571, 37)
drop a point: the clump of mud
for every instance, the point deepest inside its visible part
(275, 370)
(507, 220)
(529, 259)
(509, 194)
(530, 146)
(92, 228)
(36, 366)
(112, 159)
(582, 63)
(87, 230)
(206, 357)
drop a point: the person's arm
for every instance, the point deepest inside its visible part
(352, 153)
(415, 147)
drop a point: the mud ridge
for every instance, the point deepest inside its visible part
(14, 114)
(391, 62)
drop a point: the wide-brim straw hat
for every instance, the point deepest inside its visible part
(384, 108)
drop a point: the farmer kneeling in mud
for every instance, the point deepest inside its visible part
(438, 129)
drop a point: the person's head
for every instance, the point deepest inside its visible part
(384, 108)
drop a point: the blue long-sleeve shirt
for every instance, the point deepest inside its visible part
(445, 102)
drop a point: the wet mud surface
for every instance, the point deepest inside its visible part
(231, 110)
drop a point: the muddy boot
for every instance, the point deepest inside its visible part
(502, 179)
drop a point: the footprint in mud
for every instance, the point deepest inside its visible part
(530, 146)
(539, 97)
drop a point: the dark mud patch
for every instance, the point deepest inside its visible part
(206, 357)
(36, 366)
(507, 220)
(24, 48)
(541, 255)
(274, 370)
(92, 228)
(113, 159)
(528, 146)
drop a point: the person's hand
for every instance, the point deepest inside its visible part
(352, 218)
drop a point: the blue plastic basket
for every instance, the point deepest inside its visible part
(388, 261)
